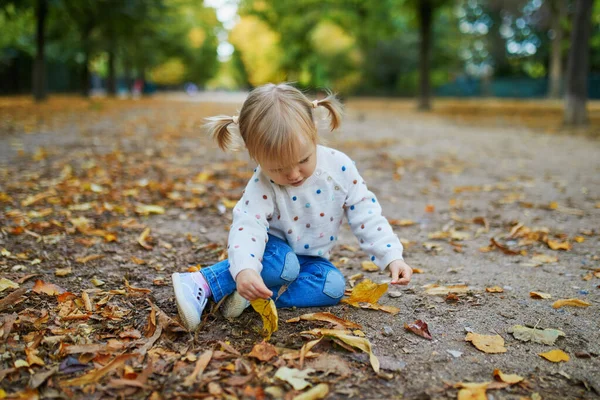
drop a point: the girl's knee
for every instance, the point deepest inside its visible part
(335, 285)
(291, 267)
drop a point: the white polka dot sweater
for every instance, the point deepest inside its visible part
(309, 217)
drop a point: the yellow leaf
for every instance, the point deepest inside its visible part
(268, 312)
(144, 209)
(472, 391)
(556, 245)
(63, 271)
(97, 374)
(570, 302)
(508, 378)
(369, 266)
(494, 289)
(143, 237)
(263, 351)
(21, 364)
(555, 355)
(294, 377)
(47, 288)
(437, 290)
(327, 317)
(579, 239)
(540, 295)
(318, 392)
(366, 291)
(6, 284)
(487, 343)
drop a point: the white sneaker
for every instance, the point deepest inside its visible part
(190, 297)
(234, 305)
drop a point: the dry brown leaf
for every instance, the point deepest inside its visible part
(201, 365)
(556, 245)
(96, 375)
(63, 271)
(327, 317)
(555, 355)
(47, 288)
(320, 391)
(472, 391)
(571, 303)
(494, 289)
(490, 344)
(263, 351)
(89, 258)
(138, 261)
(419, 328)
(437, 290)
(402, 222)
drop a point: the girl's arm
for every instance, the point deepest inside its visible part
(371, 228)
(249, 230)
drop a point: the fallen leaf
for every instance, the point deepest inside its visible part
(555, 355)
(327, 317)
(63, 271)
(579, 239)
(7, 284)
(419, 328)
(369, 266)
(143, 237)
(47, 288)
(97, 282)
(360, 343)
(138, 261)
(487, 343)
(494, 289)
(540, 295)
(508, 378)
(268, 312)
(318, 392)
(144, 209)
(556, 245)
(96, 375)
(330, 364)
(366, 291)
(437, 290)
(201, 365)
(402, 222)
(294, 377)
(89, 258)
(263, 351)
(472, 391)
(571, 303)
(543, 336)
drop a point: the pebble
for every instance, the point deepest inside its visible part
(387, 331)
(584, 292)
(395, 293)
(455, 353)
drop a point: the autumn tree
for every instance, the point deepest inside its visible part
(578, 65)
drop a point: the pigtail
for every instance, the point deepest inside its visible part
(334, 107)
(218, 129)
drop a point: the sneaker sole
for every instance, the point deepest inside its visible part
(234, 306)
(187, 313)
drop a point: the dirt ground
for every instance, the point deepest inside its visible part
(451, 182)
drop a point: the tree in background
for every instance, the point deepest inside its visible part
(558, 11)
(578, 66)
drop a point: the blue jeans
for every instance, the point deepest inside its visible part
(312, 281)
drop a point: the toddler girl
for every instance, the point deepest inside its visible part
(290, 213)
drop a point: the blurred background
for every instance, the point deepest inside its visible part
(531, 49)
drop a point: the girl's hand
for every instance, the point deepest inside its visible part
(251, 286)
(398, 268)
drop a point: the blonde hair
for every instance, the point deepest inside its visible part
(272, 120)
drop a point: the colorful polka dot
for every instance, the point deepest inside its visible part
(331, 219)
(257, 216)
(322, 214)
(290, 232)
(318, 191)
(352, 207)
(362, 226)
(252, 254)
(307, 205)
(373, 200)
(296, 218)
(372, 258)
(294, 198)
(388, 245)
(264, 196)
(320, 252)
(308, 225)
(355, 181)
(343, 168)
(255, 179)
(254, 239)
(241, 228)
(331, 238)
(306, 246)
(379, 228)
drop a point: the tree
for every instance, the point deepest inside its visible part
(578, 65)
(557, 13)
(39, 66)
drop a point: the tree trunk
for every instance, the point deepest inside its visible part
(425, 11)
(39, 65)
(578, 67)
(112, 75)
(558, 10)
(85, 70)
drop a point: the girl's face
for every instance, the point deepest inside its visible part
(296, 173)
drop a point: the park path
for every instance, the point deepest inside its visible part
(450, 180)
